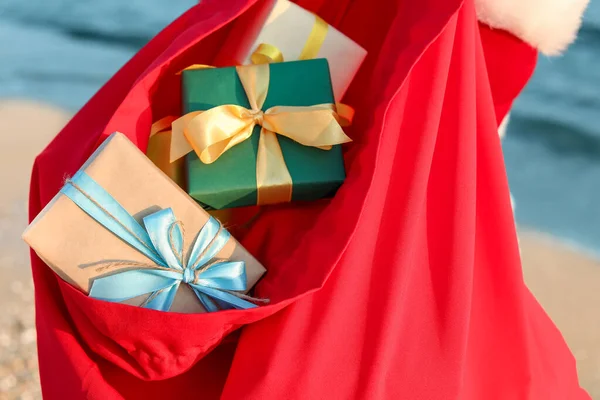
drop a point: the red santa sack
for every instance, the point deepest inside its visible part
(406, 285)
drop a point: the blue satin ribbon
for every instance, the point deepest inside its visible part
(161, 240)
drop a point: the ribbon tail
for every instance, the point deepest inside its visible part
(209, 304)
(212, 132)
(162, 300)
(266, 54)
(126, 285)
(221, 296)
(223, 305)
(179, 145)
(273, 179)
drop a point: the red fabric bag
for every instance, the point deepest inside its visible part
(406, 285)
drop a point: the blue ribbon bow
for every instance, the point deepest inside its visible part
(215, 282)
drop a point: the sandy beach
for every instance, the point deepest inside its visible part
(567, 284)
(25, 129)
(566, 281)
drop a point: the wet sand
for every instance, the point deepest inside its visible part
(566, 281)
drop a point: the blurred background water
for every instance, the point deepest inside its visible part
(62, 51)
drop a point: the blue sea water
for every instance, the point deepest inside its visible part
(62, 51)
(552, 149)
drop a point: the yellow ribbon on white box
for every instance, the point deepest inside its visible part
(297, 34)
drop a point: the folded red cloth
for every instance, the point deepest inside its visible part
(406, 285)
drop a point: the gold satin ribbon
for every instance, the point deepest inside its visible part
(158, 144)
(266, 53)
(315, 39)
(195, 66)
(212, 132)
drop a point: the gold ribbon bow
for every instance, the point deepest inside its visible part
(211, 133)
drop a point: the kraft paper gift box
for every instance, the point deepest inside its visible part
(81, 250)
(231, 180)
(297, 34)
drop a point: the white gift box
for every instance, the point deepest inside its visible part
(289, 27)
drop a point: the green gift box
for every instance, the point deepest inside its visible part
(231, 180)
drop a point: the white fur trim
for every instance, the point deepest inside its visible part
(503, 126)
(548, 25)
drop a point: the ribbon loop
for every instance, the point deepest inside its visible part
(213, 132)
(210, 240)
(266, 54)
(315, 39)
(314, 126)
(255, 80)
(162, 224)
(223, 276)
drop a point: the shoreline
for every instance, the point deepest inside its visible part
(553, 239)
